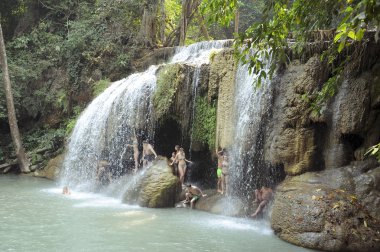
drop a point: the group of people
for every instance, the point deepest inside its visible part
(262, 196)
(148, 153)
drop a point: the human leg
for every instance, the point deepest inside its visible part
(259, 208)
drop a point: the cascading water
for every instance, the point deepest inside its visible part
(106, 128)
(252, 106)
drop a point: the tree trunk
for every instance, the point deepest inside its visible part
(237, 16)
(189, 8)
(184, 22)
(203, 27)
(148, 29)
(21, 157)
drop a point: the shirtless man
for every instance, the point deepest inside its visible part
(193, 193)
(148, 153)
(263, 196)
(103, 174)
(66, 190)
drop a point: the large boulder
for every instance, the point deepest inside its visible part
(216, 203)
(341, 214)
(156, 187)
(52, 169)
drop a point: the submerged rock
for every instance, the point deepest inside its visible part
(343, 214)
(157, 188)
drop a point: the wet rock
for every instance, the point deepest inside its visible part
(222, 87)
(157, 188)
(341, 214)
(292, 139)
(218, 204)
(52, 169)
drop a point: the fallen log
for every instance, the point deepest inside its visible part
(7, 165)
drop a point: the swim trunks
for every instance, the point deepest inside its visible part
(149, 158)
(219, 172)
(195, 197)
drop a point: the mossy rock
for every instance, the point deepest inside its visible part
(52, 169)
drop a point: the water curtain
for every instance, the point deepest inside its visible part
(106, 128)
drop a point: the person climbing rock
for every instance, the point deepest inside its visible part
(148, 153)
(193, 194)
(262, 197)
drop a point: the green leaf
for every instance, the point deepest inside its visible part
(360, 34)
(338, 36)
(341, 46)
(352, 35)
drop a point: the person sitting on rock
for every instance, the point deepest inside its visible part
(262, 197)
(193, 193)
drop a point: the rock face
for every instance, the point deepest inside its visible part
(332, 200)
(340, 214)
(222, 87)
(292, 137)
(156, 188)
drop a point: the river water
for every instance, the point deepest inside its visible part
(35, 216)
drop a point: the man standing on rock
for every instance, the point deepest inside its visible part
(193, 193)
(148, 153)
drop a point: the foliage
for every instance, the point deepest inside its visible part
(204, 126)
(167, 82)
(282, 19)
(100, 86)
(374, 151)
(71, 122)
(49, 65)
(10, 12)
(44, 138)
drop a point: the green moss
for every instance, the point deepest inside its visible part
(168, 81)
(204, 126)
(100, 86)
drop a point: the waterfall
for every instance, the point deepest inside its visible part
(105, 129)
(252, 109)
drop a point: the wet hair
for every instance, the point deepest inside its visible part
(146, 141)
